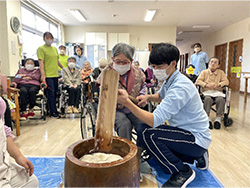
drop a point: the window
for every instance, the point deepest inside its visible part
(33, 27)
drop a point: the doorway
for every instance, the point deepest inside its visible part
(183, 62)
(220, 51)
(235, 54)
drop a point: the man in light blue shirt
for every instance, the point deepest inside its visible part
(187, 137)
(199, 59)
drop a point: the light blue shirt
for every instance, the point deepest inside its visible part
(181, 105)
(80, 61)
(199, 60)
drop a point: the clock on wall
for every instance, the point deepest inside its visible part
(15, 24)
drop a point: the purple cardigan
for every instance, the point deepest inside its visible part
(34, 74)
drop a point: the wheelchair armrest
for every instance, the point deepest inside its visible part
(199, 88)
(225, 89)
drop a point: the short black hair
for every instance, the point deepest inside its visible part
(47, 33)
(164, 53)
(214, 58)
(197, 44)
(28, 60)
(62, 46)
(190, 65)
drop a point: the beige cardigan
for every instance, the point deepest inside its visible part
(70, 78)
(217, 77)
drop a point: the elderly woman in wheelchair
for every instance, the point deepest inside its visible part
(72, 83)
(27, 79)
(212, 81)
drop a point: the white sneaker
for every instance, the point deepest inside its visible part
(217, 122)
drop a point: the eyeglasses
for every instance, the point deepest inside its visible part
(119, 62)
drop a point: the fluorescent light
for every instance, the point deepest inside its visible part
(78, 15)
(201, 26)
(149, 15)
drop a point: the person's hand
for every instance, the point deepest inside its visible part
(216, 85)
(27, 78)
(122, 97)
(210, 85)
(75, 86)
(152, 81)
(22, 75)
(60, 80)
(14, 84)
(23, 161)
(70, 86)
(143, 100)
(43, 85)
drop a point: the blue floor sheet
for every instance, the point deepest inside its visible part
(48, 171)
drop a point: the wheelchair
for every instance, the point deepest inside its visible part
(150, 91)
(41, 99)
(89, 104)
(226, 119)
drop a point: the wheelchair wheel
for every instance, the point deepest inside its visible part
(88, 121)
(228, 122)
(43, 109)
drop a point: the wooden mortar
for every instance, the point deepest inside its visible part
(121, 173)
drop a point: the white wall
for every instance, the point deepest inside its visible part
(9, 60)
(240, 30)
(139, 36)
(4, 38)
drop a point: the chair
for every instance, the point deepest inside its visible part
(12, 92)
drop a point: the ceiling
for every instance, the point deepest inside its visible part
(183, 14)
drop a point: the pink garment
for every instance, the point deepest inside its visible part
(2, 111)
(34, 74)
(7, 131)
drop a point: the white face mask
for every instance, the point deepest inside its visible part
(161, 74)
(29, 67)
(197, 50)
(62, 52)
(122, 69)
(71, 65)
(48, 42)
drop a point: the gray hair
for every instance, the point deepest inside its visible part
(122, 48)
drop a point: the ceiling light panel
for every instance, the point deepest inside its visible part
(77, 14)
(149, 15)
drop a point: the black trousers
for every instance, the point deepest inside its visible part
(7, 114)
(170, 146)
(28, 95)
(74, 96)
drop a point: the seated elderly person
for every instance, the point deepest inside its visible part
(27, 79)
(84, 75)
(212, 80)
(97, 71)
(72, 81)
(133, 81)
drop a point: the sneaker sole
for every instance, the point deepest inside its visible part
(206, 160)
(189, 180)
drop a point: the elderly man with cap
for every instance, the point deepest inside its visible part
(72, 81)
(97, 71)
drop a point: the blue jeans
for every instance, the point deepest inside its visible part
(170, 146)
(52, 84)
